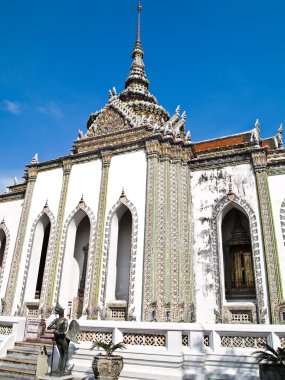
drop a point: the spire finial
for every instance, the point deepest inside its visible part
(139, 22)
(137, 75)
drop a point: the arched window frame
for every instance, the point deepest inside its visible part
(123, 200)
(81, 206)
(51, 218)
(7, 234)
(230, 207)
(221, 207)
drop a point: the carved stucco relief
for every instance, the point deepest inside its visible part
(259, 159)
(99, 235)
(150, 227)
(186, 265)
(282, 220)
(15, 264)
(167, 276)
(53, 263)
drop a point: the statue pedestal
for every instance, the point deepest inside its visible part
(52, 377)
(42, 365)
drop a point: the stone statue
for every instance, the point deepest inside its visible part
(62, 337)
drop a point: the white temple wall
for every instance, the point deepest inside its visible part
(84, 179)
(276, 186)
(128, 172)
(208, 187)
(47, 188)
(11, 212)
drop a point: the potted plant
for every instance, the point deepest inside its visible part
(107, 366)
(271, 363)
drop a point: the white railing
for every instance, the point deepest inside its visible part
(12, 329)
(175, 350)
(188, 351)
(176, 336)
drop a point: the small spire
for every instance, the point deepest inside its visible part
(15, 181)
(35, 159)
(3, 220)
(177, 110)
(123, 193)
(278, 137)
(80, 134)
(188, 137)
(257, 125)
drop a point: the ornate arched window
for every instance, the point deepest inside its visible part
(2, 246)
(237, 255)
(119, 261)
(76, 259)
(119, 256)
(37, 263)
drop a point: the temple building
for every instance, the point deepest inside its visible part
(140, 223)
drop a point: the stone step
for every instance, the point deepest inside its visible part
(26, 364)
(24, 354)
(16, 373)
(31, 346)
(44, 340)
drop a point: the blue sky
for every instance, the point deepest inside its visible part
(222, 61)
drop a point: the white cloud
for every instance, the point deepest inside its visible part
(52, 109)
(12, 107)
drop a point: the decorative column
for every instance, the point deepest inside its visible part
(149, 297)
(167, 262)
(186, 224)
(173, 269)
(15, 264)
(99, 236)
(269, 242)
(181, 278)
(162, 274)
(51, 280)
